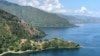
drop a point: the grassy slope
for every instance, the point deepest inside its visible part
(18, 27)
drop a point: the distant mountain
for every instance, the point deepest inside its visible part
(77, 19)
(34, 16)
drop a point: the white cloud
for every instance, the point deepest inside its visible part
(55, 6)
(82, 10)
(46, 5)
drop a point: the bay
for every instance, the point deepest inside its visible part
(87, 35)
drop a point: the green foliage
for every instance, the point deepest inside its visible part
(12, 30)
(26, 46)
(59, 43)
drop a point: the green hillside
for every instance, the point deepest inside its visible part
(17, 27)
(12, 29)
(34, 16)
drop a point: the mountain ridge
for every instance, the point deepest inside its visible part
(15, 25)
(36, 17)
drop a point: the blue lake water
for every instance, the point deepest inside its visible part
(87, 35)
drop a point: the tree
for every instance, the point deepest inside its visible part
(26, 46)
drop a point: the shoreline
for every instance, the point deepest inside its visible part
(20, 52)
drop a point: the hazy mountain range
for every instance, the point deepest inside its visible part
(34, 16)
(39, 18)
(81, 19)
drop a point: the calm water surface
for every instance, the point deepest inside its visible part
(87, 35)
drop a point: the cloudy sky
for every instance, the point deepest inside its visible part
(76, 7)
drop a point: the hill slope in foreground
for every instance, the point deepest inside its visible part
(12, 30)
(34, 16)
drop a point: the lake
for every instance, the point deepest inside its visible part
(87, 35)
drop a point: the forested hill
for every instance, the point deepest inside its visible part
(34, 16)
(12, 30)
(10, 26)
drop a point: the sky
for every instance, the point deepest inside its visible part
(73, 7)
(93, 5)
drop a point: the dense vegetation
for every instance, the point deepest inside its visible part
(34, 16)
(40, 45)
(59, 43)
(12, 30)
